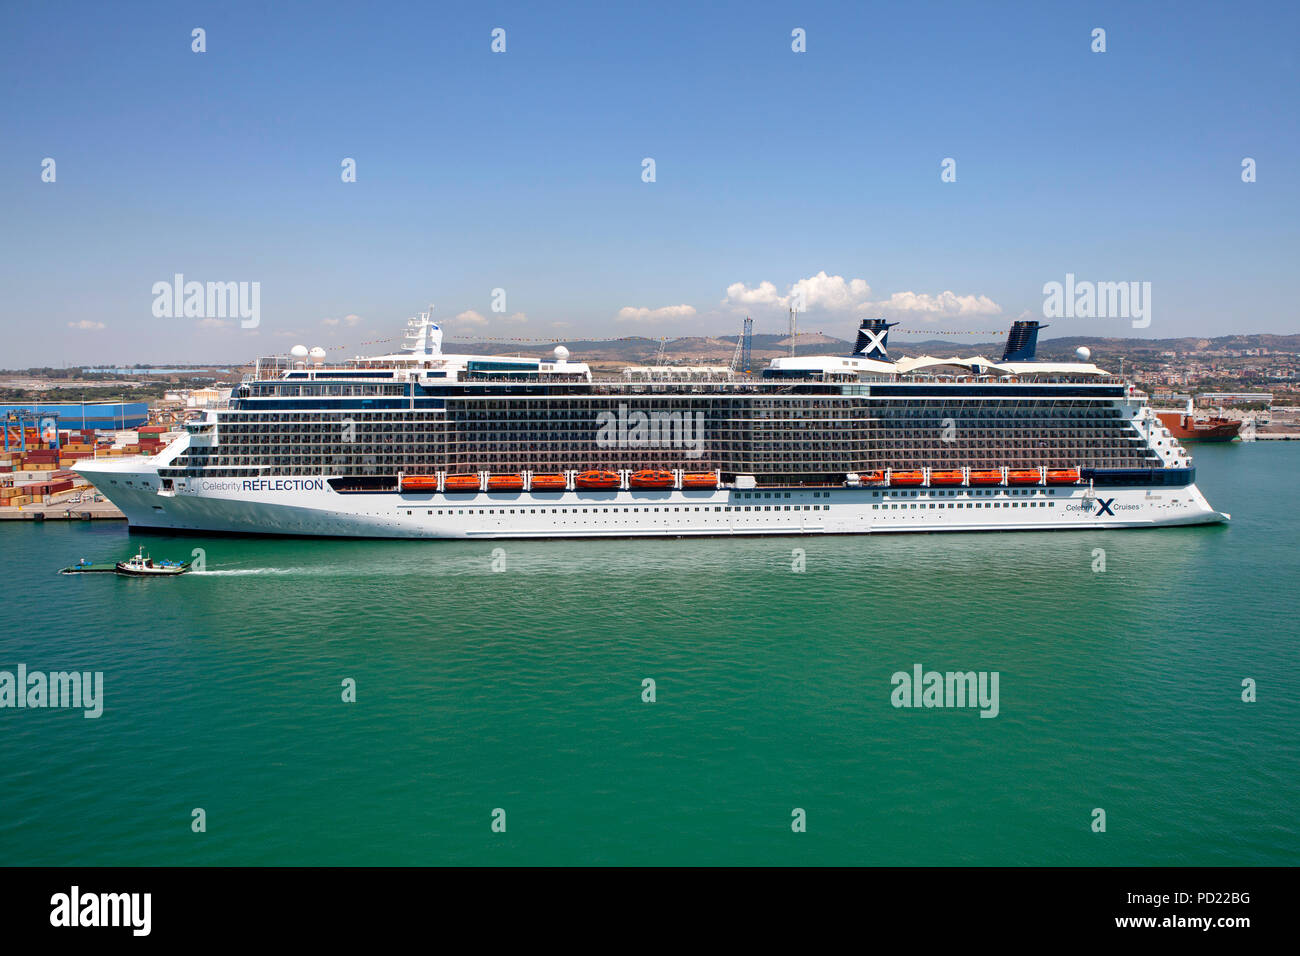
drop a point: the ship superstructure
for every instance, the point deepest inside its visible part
(425, 444)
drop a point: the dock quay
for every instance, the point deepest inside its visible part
(64, 511)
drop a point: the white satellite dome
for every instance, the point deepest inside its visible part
(561, 354)
(1083, 352)
(299, 351)
(317, 354)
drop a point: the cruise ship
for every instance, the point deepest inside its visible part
(424, 444)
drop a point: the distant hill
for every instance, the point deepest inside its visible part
(714, 350)
(718, 350)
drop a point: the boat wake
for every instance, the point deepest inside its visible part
(348, 571)
(231, 572)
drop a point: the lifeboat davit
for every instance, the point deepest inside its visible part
(1062, 476)
(1024, 477)
(461, 483)
(505, 482)
(906, 477)
(947, 477)
(650, 478)
(986, 477)
(549, 483)
(419, 482)
(597, 479)
(702, 479)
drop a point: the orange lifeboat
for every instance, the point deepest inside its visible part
(461, 483)
(986, 477)
(946, 477)
(505, 482)
(874, 476)
(1062, 476)
(650, 478)
(906, 477)
(1024, 477)
(549, 483)
(419, 482)
(597, 479)
(700, 479)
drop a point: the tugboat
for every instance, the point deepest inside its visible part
(141, 565)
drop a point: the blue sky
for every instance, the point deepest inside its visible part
(523, 170)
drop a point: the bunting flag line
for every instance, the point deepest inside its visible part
(646, 338)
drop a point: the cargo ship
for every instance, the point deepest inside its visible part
(425, 444)
(1188, 426)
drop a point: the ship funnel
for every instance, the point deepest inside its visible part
(1022, 343)
(873, 334)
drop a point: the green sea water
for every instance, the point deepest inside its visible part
(521, 689)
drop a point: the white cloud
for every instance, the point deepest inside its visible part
(631, 314)
(943, 305)
(831, 293)
(348, 320)
(87, 325)
(213, 323)
(836, 294)
(472, 321)
(821, 292)
(762, 294)
(470, 318)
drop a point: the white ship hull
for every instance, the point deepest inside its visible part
(309, 506)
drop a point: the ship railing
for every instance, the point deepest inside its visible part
(787, 384)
